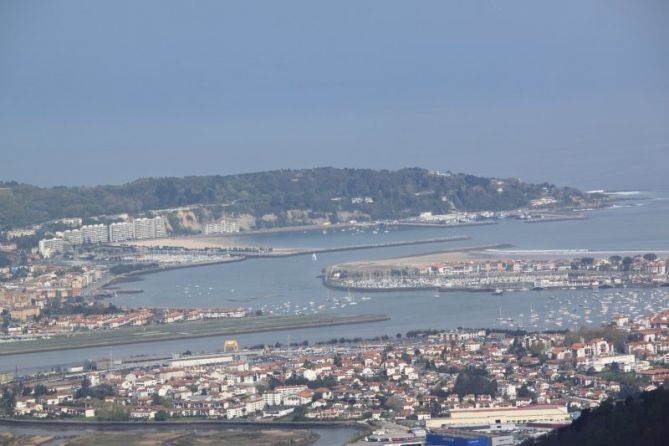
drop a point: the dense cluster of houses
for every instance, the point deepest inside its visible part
(24, 298)
(64, 324)
(411, 378)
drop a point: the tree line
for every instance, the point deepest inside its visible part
(323, 191)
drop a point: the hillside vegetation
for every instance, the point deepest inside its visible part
(636, 421)
(324, 193)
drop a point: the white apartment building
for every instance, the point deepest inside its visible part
(278, 395)
(95, 233)
(49, 247)
(224, 226)
(141, 228)
(161, 229)
(74, 237)
(146, 228)
(16, 233)
(120, 232)
(626, 362)
(71, 222)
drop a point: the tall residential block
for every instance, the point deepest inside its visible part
(146, 228)
(120, 232)
(223, 226)
(95, 233)
(74, 237)
(49, 247)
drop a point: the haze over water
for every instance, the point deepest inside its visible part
(574, 92)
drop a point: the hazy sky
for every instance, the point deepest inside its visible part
(573, 92)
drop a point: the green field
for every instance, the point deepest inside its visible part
(182, 330)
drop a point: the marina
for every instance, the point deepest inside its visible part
(293, 285)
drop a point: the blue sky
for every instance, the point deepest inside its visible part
(573, 92)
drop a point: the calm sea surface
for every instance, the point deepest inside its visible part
(290, 285)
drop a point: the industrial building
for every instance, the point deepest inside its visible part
(461, 437)
(538, 413)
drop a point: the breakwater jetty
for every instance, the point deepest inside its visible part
(299, 252)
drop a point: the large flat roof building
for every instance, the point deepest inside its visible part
(460, 437)
(539, 413)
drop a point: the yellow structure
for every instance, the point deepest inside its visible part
(231, 345)
(539, 413)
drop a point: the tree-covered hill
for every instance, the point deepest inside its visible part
(642, 421)
(324, 191)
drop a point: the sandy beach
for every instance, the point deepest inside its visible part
(420, 260)
(191, 242)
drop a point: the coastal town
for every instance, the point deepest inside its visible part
(410, 388)
(502, 384)
(230, 223)
(61, 301)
